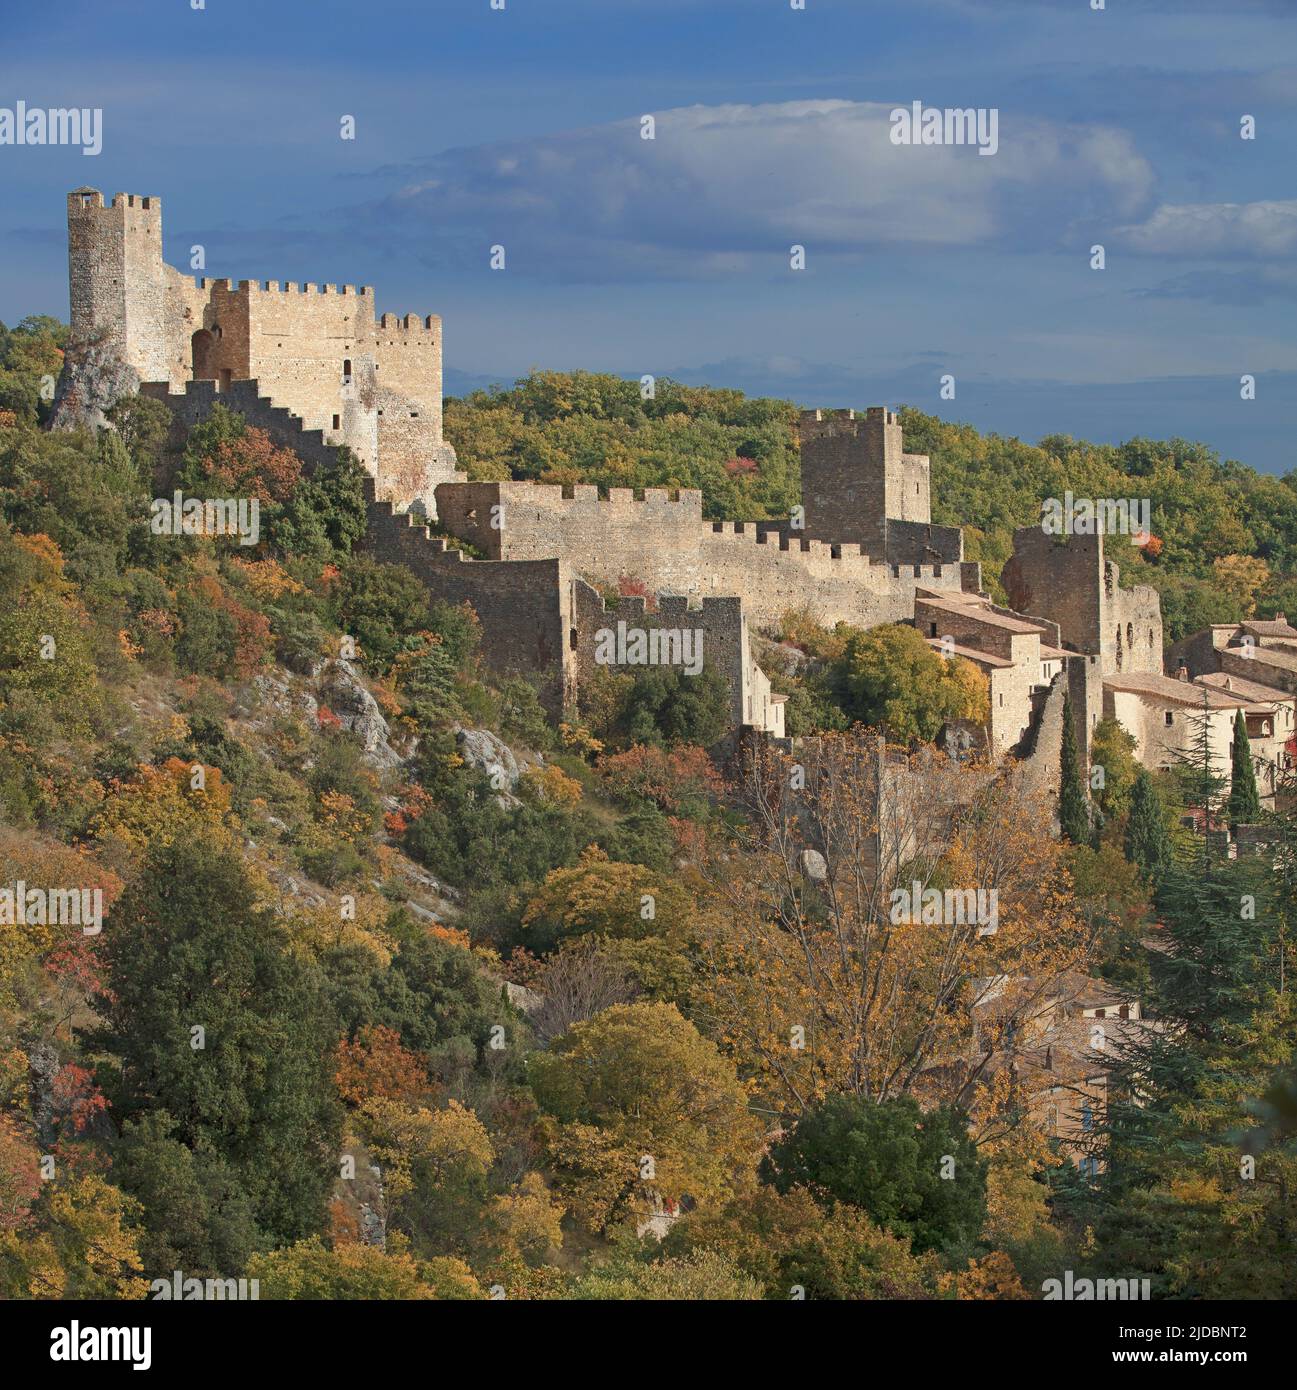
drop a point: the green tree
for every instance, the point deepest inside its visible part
(667, 706)
(142, 424)
(1113, 750)
(212, 1018)
(917, 1174)
(1073, 806)
(1147, 843)
(196, 1217)
(328, 511)
(383, 607)
(1244, 807)
(890, 678)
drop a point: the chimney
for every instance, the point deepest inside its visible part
(1229, 682)
(1182, 674)
(1281, 617)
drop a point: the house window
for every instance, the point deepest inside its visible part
(1169, 717)
(346, 371)
(337, 422)
(932, 629)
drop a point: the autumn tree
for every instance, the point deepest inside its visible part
(77, 1243)
(310, 1270)
(376, 1066)
(435, 1165)
(787, 1240)
(641, 917)
(645, 1110)
(578, 981)
(818, 979)
(700, 1277)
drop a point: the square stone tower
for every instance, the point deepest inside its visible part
(856, 476)
(116, 278)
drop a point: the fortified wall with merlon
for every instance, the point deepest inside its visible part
(317, 351)
(317, 370)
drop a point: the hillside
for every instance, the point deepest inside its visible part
(397, 987)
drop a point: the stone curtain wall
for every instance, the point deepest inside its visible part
(663, 542)
(524, 608)
(720, 620)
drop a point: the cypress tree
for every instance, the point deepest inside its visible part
(1147, 843)
(1244, 807)
(1073, 808)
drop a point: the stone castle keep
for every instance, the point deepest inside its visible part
(314, 368)
(315, 350)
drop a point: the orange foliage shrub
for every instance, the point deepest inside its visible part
(665, 776)
(376, 1066)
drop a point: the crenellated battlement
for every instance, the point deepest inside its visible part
(410, 323)
(669, 605)
(284, 287)
(84, 202)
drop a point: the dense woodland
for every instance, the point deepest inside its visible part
(590, 985)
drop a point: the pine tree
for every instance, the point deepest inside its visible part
(1244, 807)
(1147, 843)
(1073, 808)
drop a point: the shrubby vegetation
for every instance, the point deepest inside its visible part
(307, 939)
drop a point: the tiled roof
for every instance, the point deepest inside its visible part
(1168, 690)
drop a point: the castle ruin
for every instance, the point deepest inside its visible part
(317, 351)
(313, 367)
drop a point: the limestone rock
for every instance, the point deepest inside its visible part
(814, 866)
(342, 690)
(94, 378)
(483, 750)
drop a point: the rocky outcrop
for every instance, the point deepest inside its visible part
(814, 866)
(94, 378)
(490, 755)
(343, 692)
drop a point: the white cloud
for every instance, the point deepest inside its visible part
(723, 185)
(1265, 229)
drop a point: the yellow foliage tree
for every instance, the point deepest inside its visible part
(645, 1112)
(161, 805)
(824, 983)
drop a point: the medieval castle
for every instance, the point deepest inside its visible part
(313, 367)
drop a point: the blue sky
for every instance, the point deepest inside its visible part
(522, 127)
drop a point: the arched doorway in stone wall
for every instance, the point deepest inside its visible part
(204, 355)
